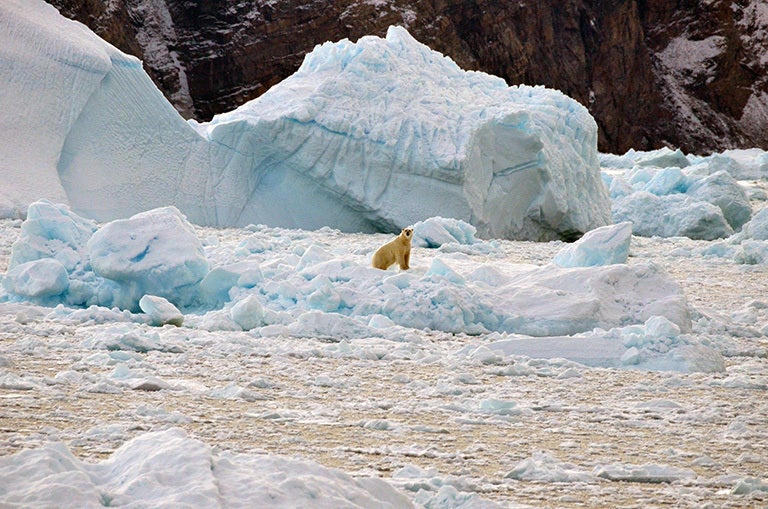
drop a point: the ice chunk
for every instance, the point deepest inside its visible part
(663, 158)
(216, 285)
(313, 256)
(52, 231)
(691, 358)
(756, 228)
(631, 356)
(248, 313)
(37, 279)
(667, 181)
(380, 322)
(624, 161)
(742, 164)
(752, 252)
(750, 245)
(338, 297)
(620, 187)
(686, 186)
(136, 474)
(602, 246)
(552, 301)
(129, 337)
(161, 311)
(441, 494)
(442, 270)
(660, 327)
(649, 473)
(544, 466)
(749, 485)
(499, 407)
(658, 345)
(155, 252)
(670, 216)
(721, 189)
(436, 231)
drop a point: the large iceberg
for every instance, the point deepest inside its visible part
(399, 133)
(366, 136)
(83, 123)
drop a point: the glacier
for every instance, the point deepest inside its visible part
(367, 136)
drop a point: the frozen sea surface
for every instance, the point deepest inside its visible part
(445, 420)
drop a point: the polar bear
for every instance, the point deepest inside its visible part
(396, 251)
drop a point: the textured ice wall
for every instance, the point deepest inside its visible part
(44, 61)
(83, 124)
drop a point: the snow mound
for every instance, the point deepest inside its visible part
(139, 474)
(368, 136)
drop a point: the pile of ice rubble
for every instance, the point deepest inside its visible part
(589, 303)
(668, 194)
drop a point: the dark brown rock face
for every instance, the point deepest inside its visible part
(688, 74)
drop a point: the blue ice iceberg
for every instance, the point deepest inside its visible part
(367, 136)
(397, 133)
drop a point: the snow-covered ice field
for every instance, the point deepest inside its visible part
(416, 408)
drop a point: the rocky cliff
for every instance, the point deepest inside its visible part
(687, 74)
